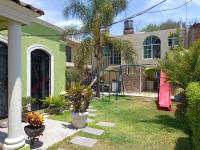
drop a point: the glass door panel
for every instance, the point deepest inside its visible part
(3, 80)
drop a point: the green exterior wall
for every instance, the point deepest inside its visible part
(51, 42)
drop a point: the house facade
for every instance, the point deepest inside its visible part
(43, 62)
(150, 47)
(117, 75)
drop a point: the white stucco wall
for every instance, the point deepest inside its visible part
(138, 38)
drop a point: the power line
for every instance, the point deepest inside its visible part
(138, 14)
(69, 34)
(170, 9)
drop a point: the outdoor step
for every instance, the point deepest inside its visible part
(89, 120)
(93, 131)
(90, 107)
(4, 123)
(106, 124)
(91, 110)
(83, 141)
(92, 114)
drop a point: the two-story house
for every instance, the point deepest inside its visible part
(150, 47)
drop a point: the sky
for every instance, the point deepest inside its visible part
(54, 13)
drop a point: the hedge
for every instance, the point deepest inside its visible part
(193, 112)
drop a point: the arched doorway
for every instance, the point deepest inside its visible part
(40, 76)
(3, 80)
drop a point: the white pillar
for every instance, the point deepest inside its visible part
(15, 138)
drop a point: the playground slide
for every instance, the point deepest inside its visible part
(164, 92)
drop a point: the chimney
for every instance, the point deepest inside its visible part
(128, 27)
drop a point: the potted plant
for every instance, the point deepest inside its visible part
(79, 97)
(26, 106)
(56, 104)
(35, 127)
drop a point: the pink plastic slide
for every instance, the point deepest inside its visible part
(165, 92)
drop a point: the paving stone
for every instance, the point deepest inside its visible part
(83, 141)
(93, 131)
(91, 110)
(4, 123)
(60, 149)
(89, 120)
(106, 124)
(92, 114)
(91, 107)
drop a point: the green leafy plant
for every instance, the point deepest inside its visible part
(150, 72)
(71, 76)
(79, 97)
(27, 101)
(183, 66)
(56, 103)
(193, 112)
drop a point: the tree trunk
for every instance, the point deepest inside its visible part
(98, 78)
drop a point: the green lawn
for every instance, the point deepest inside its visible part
(139, 126)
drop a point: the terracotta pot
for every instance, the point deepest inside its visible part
(79, 120)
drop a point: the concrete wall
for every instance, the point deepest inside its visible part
(138, 38)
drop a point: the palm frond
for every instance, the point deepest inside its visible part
(125, 48)
(83, 53)
(76, 9)
(119, 5)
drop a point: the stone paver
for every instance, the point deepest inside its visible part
(91, 110)
(83, 141)
(93, 131)
(4, 123)
(90, 107)
(89, 120)
(92, 114)
(55, 131)
(106, 124)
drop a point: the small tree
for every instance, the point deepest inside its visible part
(183, 66)
(95, 16)
(169, 24)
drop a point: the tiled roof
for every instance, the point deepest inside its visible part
(28, 6)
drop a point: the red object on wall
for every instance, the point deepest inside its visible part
(164, 92)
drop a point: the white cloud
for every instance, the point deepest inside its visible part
(69, 23)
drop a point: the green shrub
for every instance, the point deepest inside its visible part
(56, 103)
(193, 112)
(26, 101)
(79, 97)
(182, 66)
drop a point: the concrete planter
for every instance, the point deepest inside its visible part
(79, 120)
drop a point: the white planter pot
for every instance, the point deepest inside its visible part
(79, 120)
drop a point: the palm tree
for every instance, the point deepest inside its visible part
(95, 16)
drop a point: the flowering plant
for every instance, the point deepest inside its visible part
(35, 118)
